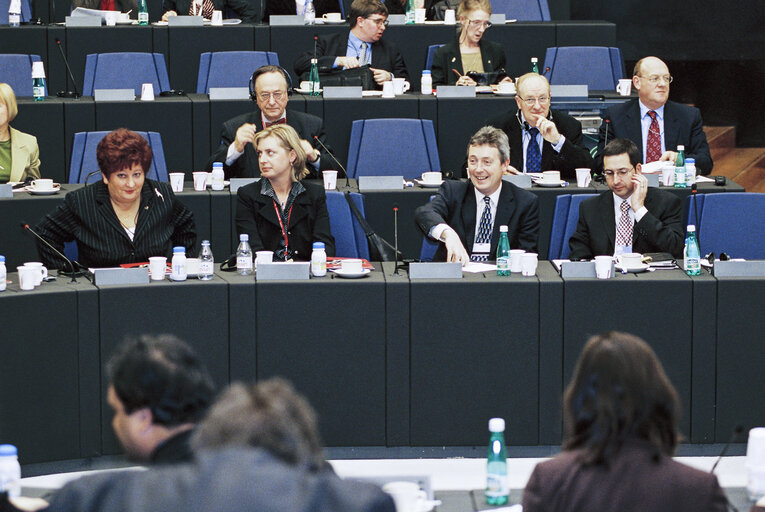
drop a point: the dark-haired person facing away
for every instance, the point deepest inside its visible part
(621, 414)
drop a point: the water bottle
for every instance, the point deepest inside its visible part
(497, 486)
(244, 256)
(38, 81)
(691, 253)
(143, 13)
(426, 82)
(10, 471)
(217, 176)
(309, 13)
(14, 13)
(503, 253)
(178, 271)
(409, 18)
(680, 167)
(3, 274)
(314, 77)
(534, 65)
(690, 171)
(206, 262)
(318, 260)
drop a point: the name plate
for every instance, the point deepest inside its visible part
(113, 276)
(569, 92)
(6, 190)
(352, 91)
(455, 91)
(237, 183)
(284, 271)
(397, 19)
(82, 21)
(286, 19)
(752, 268)
(229, 93)
(381, 183)
(431, 270)
(519, 180)
(497, 19)
(653, 179)
(185, 21)
(580, 269)
(114, 95)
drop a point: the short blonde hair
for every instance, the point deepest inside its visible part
(523, 78)
(468, 6)
(6, 94)
(289, 140)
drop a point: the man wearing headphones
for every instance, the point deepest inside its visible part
(268, 87)
(557, 137)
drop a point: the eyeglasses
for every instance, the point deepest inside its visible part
(610, 173)
(543, 100)
(655, 79)
(276, 95)
(380, 22)
(479, 23)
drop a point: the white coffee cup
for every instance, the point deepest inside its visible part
(551, 176)
(388, 90)
(400, 86)
(305, 85)
(583, 177)
(200, 180)
(624, 87)
(42, 185)
(123, 17)
(528, 264)
(176, 181)
(157, 266)
(217, 18)
(419, 15)
(506, 88)
(431, 177)
(450, 17)
(111, 18)
(330, 179)
(515, 259)
(668, 174)
(352, 266)
(755, 447)
(40, 271)
(407, 496)
(631, 260)
(264, 257)
(603, 266)
(27, 278)
(147, 92)
(192, 266)
(333, 17)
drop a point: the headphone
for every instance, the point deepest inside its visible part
(524, 124)
(270, 69)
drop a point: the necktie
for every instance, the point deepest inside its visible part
(484, 230)
(653, 144)
(533, 158)
(624, 228)
(363, 55)
(207, 9)
(283, 120)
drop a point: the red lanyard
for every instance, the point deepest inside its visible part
(281, 225)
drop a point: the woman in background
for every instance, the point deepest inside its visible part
(19, 154)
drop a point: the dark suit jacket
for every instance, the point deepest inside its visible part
(448, 57)
(288, 7)
(87, 217)
(309, 222)
(455, 205)
(634, 482)
(174, 450)
(385, 55)
(237, 479)
(572, 155)
(660, 230)
(682, 126)
(246, 166)
(247, 10)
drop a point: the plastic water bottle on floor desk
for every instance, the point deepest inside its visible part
(244, 256)
(691, 253)
(503, 253)
(206, 262)
(497, 487)
(10, 471)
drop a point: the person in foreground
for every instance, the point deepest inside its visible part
(630, 217)
(466, 216)
(281, 213)
(621, 414)
(19, 154)
(158, 390)
(125, 218)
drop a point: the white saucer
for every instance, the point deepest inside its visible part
(366, 94)
(497, 93)
(428, 185)
(550, 184)
(308, 91)
(633, 270)
(54, 190)
(351, 275)
(126, 22)
(483, 89)
(327, 22)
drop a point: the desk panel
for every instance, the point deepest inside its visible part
(45, 120)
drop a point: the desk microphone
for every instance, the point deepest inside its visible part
(316, 138)
(694, 192)
(734, 435)
(395, 237)
(75, 273)
(97, 171)
(67, 93)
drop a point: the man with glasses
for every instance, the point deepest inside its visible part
(541, 139)
(630, 217)
(269, 90)
(655, 124)
(361, 46)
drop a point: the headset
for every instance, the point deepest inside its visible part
(270, 68)
(525, 125)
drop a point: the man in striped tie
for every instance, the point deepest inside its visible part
(466, 215)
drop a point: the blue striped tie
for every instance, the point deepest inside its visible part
(533, 158)
(484, 230)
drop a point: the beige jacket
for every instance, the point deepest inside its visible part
(25, 156)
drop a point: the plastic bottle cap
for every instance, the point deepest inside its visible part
(217, 165)
(205, 242)
(681, 148)
(318, 245)
(314, 61)
(244, 237)
(496, 425)
(426, 72)
(691, 228)
(690, 161)
(503, 229)
(2, 259)
(534, 59)
(178, 249)
(8, 450)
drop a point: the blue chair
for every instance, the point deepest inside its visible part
(16, 71)
(522, 10)
(26, 12)
(600, 67)
(732, 223)
(84, 157)
(694, 205)
(565, 218)
(230, 69)
(125, 70)
(429, 57)
(429, 246)
(392, 147)
(350, 239)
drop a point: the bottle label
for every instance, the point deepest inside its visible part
(143, 17)
(243, 262)
(496, 479)
(503, 263)
(206, 267)
(38, 91)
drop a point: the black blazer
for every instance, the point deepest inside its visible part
(87, 217)
(448, 57)
(247, 10)
(385, 55)
(309, 222)
(246, 166)
(572, 155)
(682, 126)
(455, 205)
(660, 230)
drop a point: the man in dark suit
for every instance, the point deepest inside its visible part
(466, 216)
(236, 151)
(557, 137)
(655, 124)
(363, 45)
(247, 10)
(649, 219)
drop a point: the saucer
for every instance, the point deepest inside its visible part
(498, 93)
(428, 185)
(633, 270)
(351, 275)
(367, 94)
(308, 91)
(49, 192)
(327, 22)
(543, 183)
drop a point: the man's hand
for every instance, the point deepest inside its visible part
(381, 75)
(465, 80)
(512, 170)
(668, 156)
(245, 135)
(347, 62)
(311, 154)
(548, 130)
(455, 251)
(637, 200)
(168, 14)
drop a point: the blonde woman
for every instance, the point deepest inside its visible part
(19, 154)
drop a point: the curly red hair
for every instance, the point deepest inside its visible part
(121, 149)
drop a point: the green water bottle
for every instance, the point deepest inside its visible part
(691, 253)
(534, 65)
(680, 173)
(314, 77)
(143, 13)
(503, 253)
(409, 19)
(497, 486)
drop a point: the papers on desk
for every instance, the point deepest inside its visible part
(475, 267)
(514, 508)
